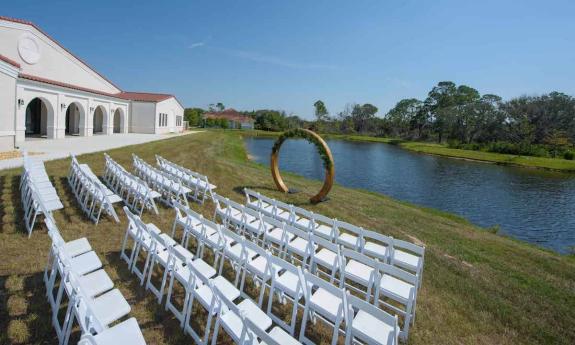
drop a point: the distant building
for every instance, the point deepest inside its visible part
(48, 92)
(234, 118)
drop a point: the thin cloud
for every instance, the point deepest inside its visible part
(274, 60)
(196, 45)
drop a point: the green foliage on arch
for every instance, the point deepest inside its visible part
(303, 134)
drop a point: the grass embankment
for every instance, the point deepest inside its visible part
(478, 288)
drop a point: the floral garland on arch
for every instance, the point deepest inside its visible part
(310, 137)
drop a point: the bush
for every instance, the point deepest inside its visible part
(570, 155)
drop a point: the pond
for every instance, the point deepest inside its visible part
(535, 206)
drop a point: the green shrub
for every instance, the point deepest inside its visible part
(570, 155)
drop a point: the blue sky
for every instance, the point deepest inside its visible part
(287, 54)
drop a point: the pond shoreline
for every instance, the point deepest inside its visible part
(541, 163)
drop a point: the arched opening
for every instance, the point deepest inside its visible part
(99, 121)
(119, 122)
(36, 118)
(74, 119)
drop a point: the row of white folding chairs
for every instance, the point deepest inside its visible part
(134, 191)
(92, 299)
(379, 280)
(170, 187)
(93, 196)
(282, 278)
(200, 281)
(38, 195)
(396, 252)
(198, 183)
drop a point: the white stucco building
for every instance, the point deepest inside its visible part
(48, 92)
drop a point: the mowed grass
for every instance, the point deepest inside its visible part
(478, 288)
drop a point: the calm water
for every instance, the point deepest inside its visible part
(531, 205)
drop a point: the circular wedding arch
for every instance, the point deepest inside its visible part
(323, 151)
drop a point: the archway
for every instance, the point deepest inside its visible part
(39, 117)
(119, 121)
(75, 119)
(100, 120)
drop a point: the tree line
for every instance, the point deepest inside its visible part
(456, 115)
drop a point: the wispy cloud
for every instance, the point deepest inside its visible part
(197, 45)
(274, 60)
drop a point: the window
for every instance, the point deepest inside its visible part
(178, 121)
(162, 120)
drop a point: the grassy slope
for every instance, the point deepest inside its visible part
(478, 288)
(442, 150)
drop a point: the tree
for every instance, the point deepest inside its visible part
(401, 116)
(216, 107)
(193, 116)
(321, 113)
(361, 116)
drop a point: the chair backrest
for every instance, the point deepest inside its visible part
(54, 233)
(408, 246)
(353, 230)
(349, 254)
(83, 306)
(320, 219)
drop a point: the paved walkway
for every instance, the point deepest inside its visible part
(61, 148)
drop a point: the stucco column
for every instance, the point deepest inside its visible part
(20, 121)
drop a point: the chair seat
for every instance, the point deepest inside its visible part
(364, 325)
(348, 240)
(398, 288)
(325, 258)
(127, 332)
(228, 290)
(77, 247)
(234, 325)
(255, 314)
(168, 241)
(288, 282)
(406, 260)
(375, 249)
(283, 215)
(203, 268)
(110, 307)
(281, 337)
(326, 302)
(276, 235)
(300, 246)
(324, 231)
(258, 266)
(153, 228)
(235, 252)
(114, 198)
(85, 263)
(303, 223)
(358, 272)
(258, 227)
(96, 283)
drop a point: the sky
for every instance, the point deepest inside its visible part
(285, 55)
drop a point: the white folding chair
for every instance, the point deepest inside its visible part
(408, 256)
(259, 269)
(324, 227)
(326, 261)
(300, 248)
(230, 320)
(377, 245)
(185, 218)
(366, 324)
(285, 284)
(398, 286)
(323, 301)
(360, 270)
(352, 237)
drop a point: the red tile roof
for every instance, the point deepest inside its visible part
(130, 96)
(229, 114)
(144, 96)
(66, 85)
(9, 61)
(25, 22)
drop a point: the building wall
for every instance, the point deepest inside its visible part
(57, 100)
(7, 106)
(54, 62)
(171, 107)
(143, 117)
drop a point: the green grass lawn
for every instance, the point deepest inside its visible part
(478, 288)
